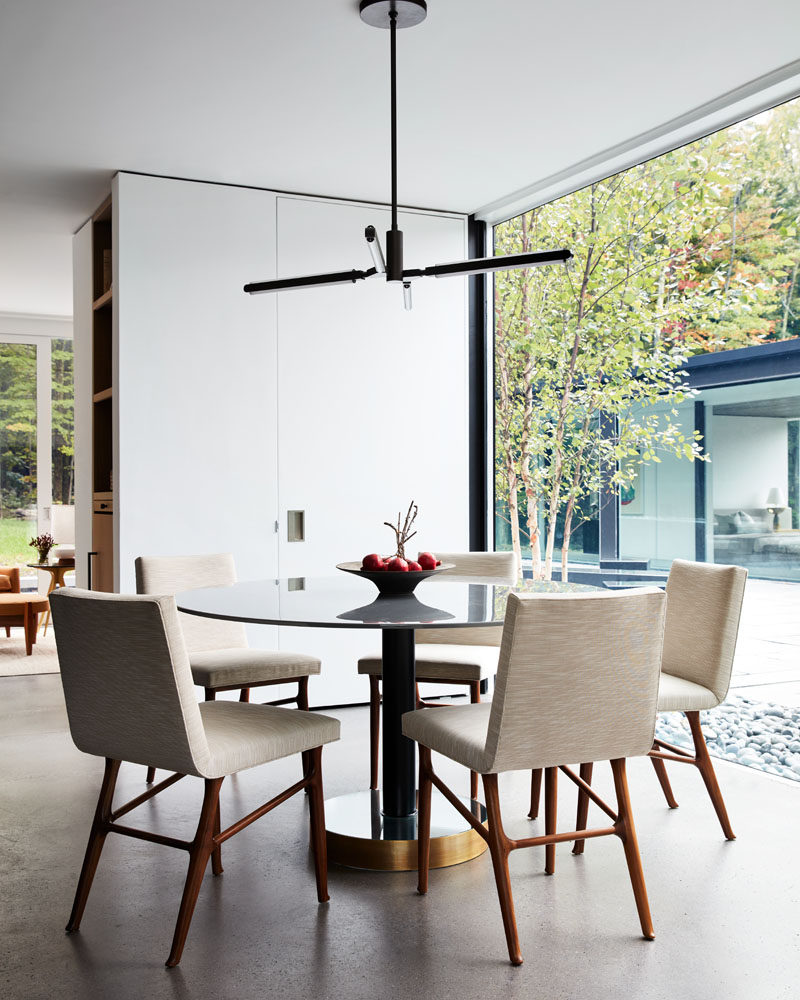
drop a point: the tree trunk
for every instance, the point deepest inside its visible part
(565, 547)
(535, 537)
(787, 303)
(513, 509)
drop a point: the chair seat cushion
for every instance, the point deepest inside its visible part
(241, 735)
(678, 695)
(457, 732)
(445, 661)
(217, 668)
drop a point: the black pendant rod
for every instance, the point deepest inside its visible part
(393, 72)
(396, 14)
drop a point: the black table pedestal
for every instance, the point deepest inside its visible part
(378, 830)
(399, 752)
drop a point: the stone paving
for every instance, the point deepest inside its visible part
(767, 664)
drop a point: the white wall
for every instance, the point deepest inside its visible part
(195, 379)
(750, 456)
(373, 407)
(232, 409)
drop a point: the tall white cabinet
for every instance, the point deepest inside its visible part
(234, 410)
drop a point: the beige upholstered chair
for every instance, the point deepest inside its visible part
(129, 695)
(456, 656)
(577, 681)
(704, 604)
(703, 612)
(219, 655)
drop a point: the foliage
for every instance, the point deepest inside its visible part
(17, 426)
(14, 534)
(696, 250)
(63, 421)
(18, 468)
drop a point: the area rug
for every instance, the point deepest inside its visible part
(757, 734)
(14, 662)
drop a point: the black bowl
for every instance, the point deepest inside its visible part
(391, 583)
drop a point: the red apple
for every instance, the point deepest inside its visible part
(438, 562)
(373, 561)
(397, 565)
(427, 560)
(413, 567)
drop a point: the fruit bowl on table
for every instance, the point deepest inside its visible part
(391, 582)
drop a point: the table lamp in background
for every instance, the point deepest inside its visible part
(776, 504)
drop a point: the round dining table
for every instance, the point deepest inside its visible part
(369, 829)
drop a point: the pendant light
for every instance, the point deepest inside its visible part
(394, 14)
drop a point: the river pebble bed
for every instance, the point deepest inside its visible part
(757, 734)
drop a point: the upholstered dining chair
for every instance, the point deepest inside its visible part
(457, 656)
(577, 680)
(129, 695)
(219, 655)
(704, 604)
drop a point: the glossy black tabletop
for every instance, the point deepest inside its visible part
(347, 602)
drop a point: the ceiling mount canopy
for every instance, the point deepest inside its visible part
(377, 13)
(394, 14)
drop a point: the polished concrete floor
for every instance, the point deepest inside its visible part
(726, 914)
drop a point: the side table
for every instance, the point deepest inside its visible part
(57, 573)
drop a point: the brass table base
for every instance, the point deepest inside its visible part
(360, 836)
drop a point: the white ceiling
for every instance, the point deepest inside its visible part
(494, 96)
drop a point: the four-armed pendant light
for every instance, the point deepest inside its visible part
(394, 14)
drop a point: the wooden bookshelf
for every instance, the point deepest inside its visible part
(102, 400)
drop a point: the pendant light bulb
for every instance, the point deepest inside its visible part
(407, 295)
(374, 244)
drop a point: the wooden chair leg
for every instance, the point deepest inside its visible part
(244, 694)
(626, 831)
(424, 819)
(583, 806)
(211, 694)
(202, 847)
(8, 631)
(498, 846)
(374, 728)
(216, 853)
(302, 694)
(550, 816)
(97, 837)
(316, 809)
(30, 628)
(706, 768)
(302, 704)
(474, 697)
(663, 779)
(536, 787)
(151, 775)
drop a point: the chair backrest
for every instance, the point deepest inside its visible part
(705, 604)
(173, 574)
(479, 567)
(9, 579)
(577, 678)
(127, 680)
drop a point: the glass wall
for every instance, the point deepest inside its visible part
(63, 422)
(743, 506)
(18, 494)
(693, 252)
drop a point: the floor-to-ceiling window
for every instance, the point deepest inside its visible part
(36, 445)
(694, 252)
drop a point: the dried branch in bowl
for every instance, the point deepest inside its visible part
(404, 533)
